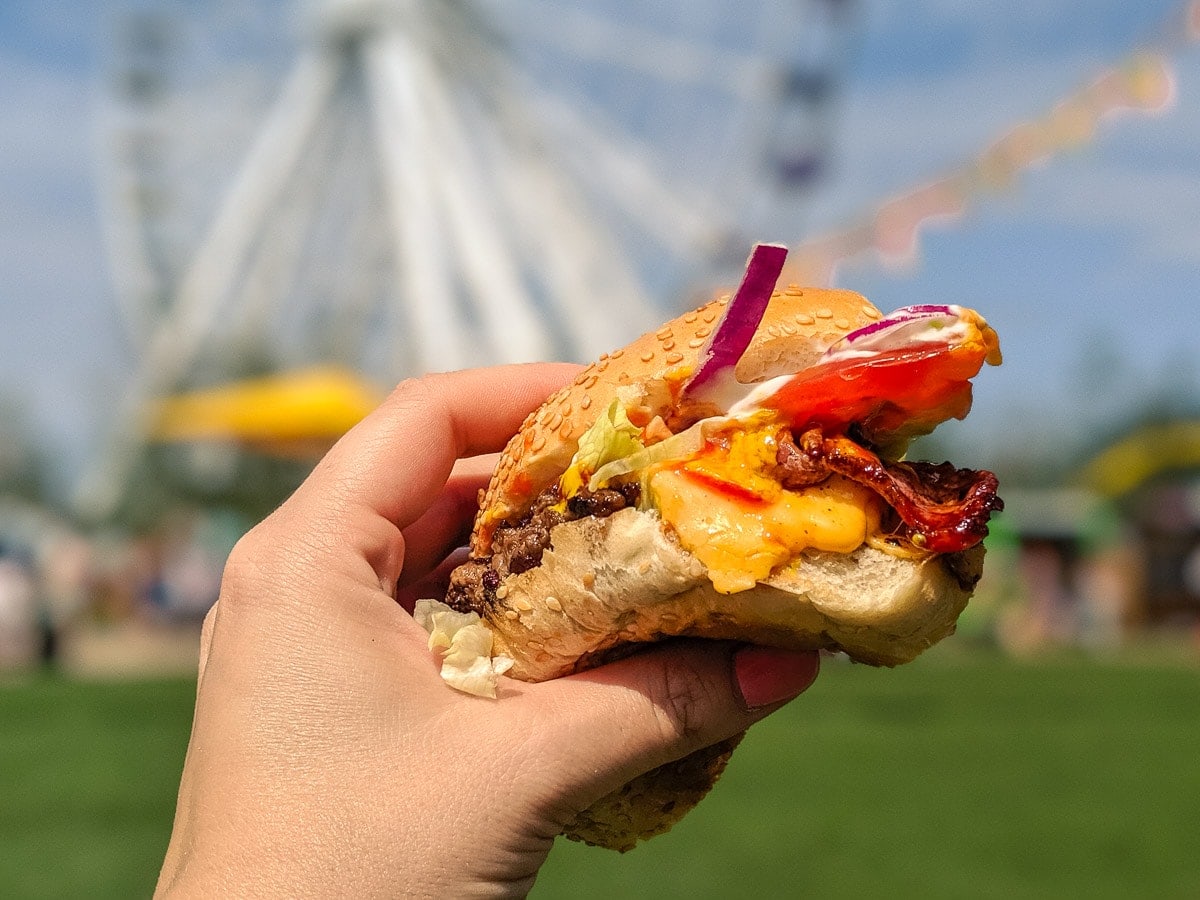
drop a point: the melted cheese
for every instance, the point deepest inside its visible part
(741, 461)
(741, 540)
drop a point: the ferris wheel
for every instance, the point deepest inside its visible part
(410, 185)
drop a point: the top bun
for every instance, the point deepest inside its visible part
(799, 325)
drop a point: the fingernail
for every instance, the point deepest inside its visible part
(766, 676)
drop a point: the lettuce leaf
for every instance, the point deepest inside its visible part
(677, 446)
(611, 437)
(465, 644)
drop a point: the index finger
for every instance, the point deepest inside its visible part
(396, 460)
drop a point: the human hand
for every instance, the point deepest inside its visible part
(327, 756)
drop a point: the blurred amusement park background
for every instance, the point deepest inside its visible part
(260, 216)
(228, 227)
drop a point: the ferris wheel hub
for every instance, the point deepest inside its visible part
(339, 21)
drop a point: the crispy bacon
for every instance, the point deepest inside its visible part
(943, 509)
(798, 469)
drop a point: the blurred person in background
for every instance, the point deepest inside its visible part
(66, 563)
(19, 632)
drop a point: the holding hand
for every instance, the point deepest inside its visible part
(327, 756)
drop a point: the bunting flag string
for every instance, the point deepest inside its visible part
(890, 233)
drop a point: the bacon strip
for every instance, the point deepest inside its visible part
(945, 509)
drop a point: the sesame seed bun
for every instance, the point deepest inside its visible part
(799, 325)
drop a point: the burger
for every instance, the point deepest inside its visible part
(737, 474)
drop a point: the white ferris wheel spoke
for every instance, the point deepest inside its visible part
(681, 221)
(600, 301)
(256, 190)
(597, 292)
(510, 323)
(275, 259)
(137, 280)
(437, 330)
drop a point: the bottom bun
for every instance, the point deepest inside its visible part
(607, 585)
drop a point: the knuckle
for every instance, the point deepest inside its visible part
(263, 559)
(244, 551)
(682, 697)
(243, 565)
(429, 397)
(419, 391)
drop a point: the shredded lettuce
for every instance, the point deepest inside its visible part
(677, 446)
(465, 643)
(611, 437)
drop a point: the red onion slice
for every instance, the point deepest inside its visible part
(899, 317)
(906, 327)
(732, 335)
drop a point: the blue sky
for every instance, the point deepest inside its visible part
(1089, 267)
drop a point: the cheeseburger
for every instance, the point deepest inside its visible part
(737, 474)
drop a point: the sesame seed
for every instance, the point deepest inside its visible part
(673, 358)
(647, 355)
(616, 354)
(804, 319)
(696, 342)
(511, 614)
(843, 324)
(521, 603)
(585, 403)
(703, 331)
(668, 344)
(538, 443)
(553, 604)
(824, 313)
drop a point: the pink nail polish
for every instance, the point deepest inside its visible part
(766, 676)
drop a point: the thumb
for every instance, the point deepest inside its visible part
(609, 725)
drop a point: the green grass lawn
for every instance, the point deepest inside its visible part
(88, 775)
(955, 776)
